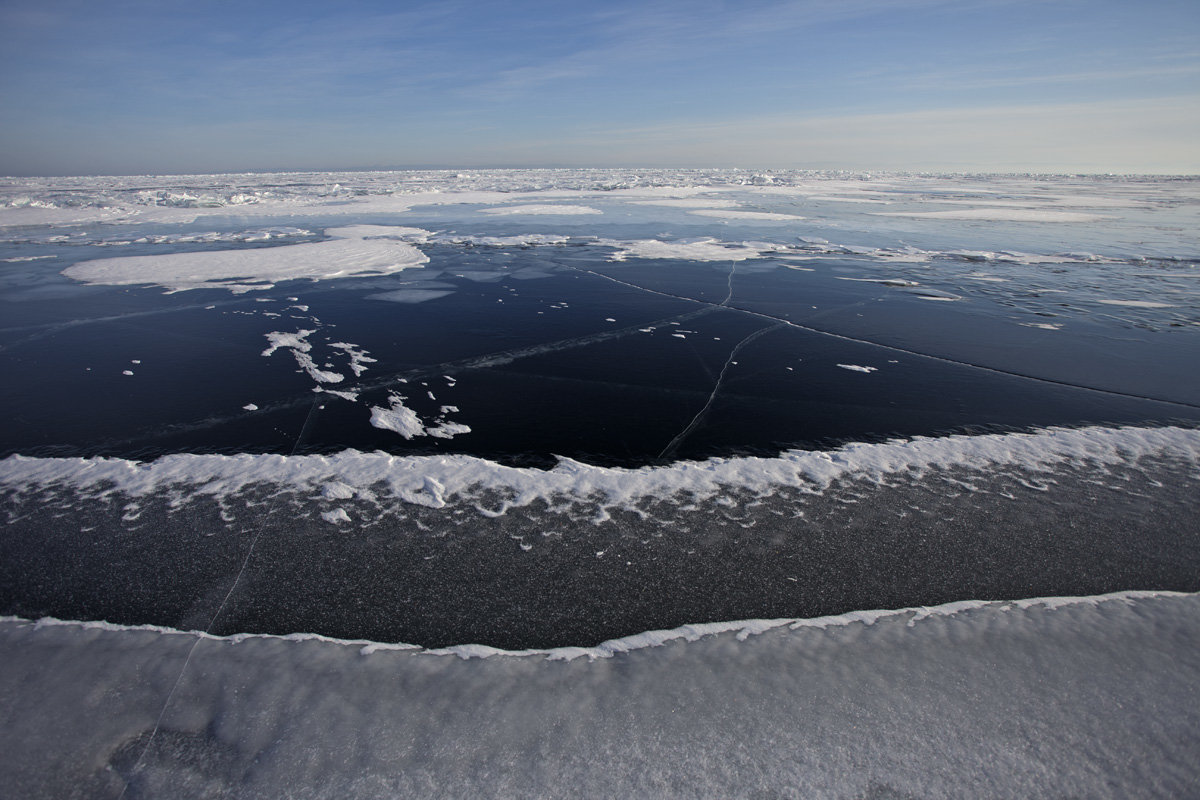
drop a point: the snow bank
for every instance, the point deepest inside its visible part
(457, 476)
(974, 700)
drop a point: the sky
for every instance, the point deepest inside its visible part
(163, 86)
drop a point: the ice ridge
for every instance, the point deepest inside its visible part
(467, 478)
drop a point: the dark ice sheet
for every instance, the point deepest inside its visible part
(533, 578)
(537, 370)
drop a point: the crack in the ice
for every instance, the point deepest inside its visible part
(729, 296)
(390, 381)
(697, 420)
(212, 622)
(45, 330)
(892, 347)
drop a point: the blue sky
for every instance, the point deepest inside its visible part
(133, 86)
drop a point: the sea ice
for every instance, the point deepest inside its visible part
(352, 250)
(358, 356)
(545, 210)
(998, 215)
(964, 700)
(723, 213)
(701, 250)
(398, 417)
(611, 487)
(1136, 303)
(297, 343)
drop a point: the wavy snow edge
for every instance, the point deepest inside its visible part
(744, 629)
(432, 480)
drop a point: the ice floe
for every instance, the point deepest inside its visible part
(358, 356)
(352, 250)
(297, 343)
(401, 419)
(706, 249)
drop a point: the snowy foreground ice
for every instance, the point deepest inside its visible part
(555, 483)
(1061, 698)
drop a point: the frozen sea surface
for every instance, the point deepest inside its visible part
(562, 411)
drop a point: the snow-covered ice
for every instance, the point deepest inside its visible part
(351, 250)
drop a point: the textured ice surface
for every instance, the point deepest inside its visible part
(1066, 698)
(702, 250)
(407, 478)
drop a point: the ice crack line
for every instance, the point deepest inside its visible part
(211, 624)
(894, 348)
(674, 444)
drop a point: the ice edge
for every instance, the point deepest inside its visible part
(639, 641)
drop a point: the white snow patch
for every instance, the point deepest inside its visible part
(465, 476)
(447, 430)
(516, 240)
(1136, 303)
(358, 356)
(700, 250)
(407, 423)
(345, 395)
(299, 346)
(398, 417)
(353, 250)
(336, 490)
(250, 407)
(336, 516)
